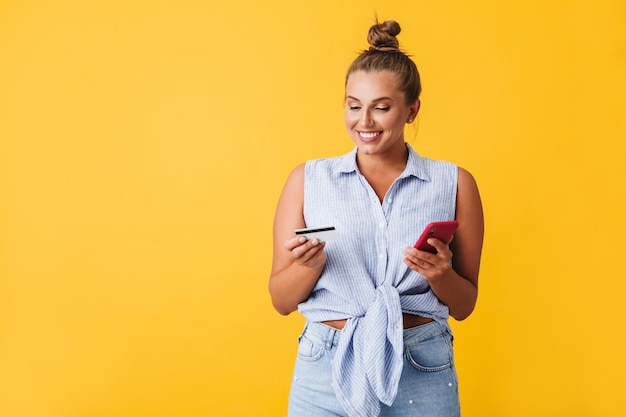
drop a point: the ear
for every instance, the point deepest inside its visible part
(413, 110)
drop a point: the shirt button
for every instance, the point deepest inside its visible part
(381, 256)
(381, 225)
(390, 200)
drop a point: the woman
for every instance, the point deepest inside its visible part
(377, 339)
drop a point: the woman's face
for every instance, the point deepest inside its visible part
(376, 111)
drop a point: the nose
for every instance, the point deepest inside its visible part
(366, 118)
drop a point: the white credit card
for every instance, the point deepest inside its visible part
(323, 234)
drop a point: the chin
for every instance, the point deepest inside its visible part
(367, 148)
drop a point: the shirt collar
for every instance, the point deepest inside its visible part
(346, 164)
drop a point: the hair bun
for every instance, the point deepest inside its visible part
(382, 36)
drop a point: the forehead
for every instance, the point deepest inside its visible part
(372, 85)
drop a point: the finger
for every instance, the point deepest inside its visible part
(307, 250)
(410, 254)
(295, 242)
(416, 258)
(418, 265)
(442, 248)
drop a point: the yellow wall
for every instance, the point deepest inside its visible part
(143, 145)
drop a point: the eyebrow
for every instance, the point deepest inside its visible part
(373, 101)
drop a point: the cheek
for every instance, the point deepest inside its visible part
(349, 119)
(396, 122)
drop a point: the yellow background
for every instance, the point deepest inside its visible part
(143, 146)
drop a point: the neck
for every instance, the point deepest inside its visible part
(392, 161)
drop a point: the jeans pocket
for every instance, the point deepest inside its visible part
(431, 355)
(309, 349)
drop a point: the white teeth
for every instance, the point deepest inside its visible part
(368, 135)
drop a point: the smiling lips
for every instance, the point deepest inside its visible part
(368, 136)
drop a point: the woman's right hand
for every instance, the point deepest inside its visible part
(309, 253)
(297, 263)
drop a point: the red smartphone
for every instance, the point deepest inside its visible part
(439, 230)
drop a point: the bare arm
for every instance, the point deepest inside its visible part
(456, 286)
(297, 263)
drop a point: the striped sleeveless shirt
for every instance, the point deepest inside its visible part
(365, 279)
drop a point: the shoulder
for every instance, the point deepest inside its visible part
(428, 168)
(466, 181)
(299, 172)
(296, 176)
(315, 170)
(333, 165)
(468, 197)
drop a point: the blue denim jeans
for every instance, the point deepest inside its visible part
(428, 385)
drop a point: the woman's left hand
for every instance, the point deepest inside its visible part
(432, 266)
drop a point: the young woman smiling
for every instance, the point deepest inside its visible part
(376, 339)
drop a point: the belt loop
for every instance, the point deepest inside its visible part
(306, 324)
(331, 337)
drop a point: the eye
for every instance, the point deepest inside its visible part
(354, 107)
(382, 108)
